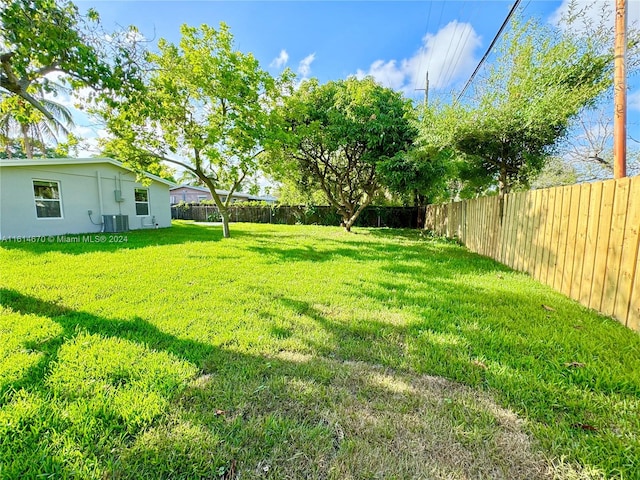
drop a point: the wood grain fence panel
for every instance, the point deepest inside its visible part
(562, 238)
(506, 225)
(486, 234)
(506, 228)
(572, 227)
(547, 256)
(591, 246)
(485, 226)
(581, 240)
(513, 229)
(529, 263)
(530, 231)
(633, 318)
(604, 232)
(497, 223)
(522, 230)
(555, 237)
(614, 253)
(540, 232)
(629, 260)
(477, 222)
(479, 225)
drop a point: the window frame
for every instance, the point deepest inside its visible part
(36, 199)
(136, 202)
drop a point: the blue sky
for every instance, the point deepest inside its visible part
(395, 41)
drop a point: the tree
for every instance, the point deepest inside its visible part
(333, 137)
(40, 37)
(203, 108)
(20, 119)
(540, 81)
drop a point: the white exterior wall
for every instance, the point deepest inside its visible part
(79, 193)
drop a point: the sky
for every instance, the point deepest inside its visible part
(397, 42)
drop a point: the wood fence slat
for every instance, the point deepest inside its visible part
(555, 237)
(593, 227)
(540, 232)
(495, 250)
(547, 257)
(513, 229)
(572, 227)
(581, 240)
(562, 238)
(535, 224)
(614, 255)
(521, 230)
(484, 235)
(604, 232)
(506, 225)
(630, 245)
(633, 317)
(530, 230)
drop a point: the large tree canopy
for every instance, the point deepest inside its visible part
(334, 136)
(40, 37)
(204, 108)
(540, 81)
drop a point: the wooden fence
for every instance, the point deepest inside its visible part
(581, 240)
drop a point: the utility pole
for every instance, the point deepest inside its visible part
(620, 93)
(426, 90)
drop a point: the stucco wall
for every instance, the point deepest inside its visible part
(79, 194)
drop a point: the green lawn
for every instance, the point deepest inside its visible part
(303, 352)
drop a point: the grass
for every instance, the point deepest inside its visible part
(303, 352)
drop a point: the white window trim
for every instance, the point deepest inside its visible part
(148, 202)
(61, 217)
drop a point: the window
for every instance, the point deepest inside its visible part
(201, 198)
(47, 196)
(142, 201)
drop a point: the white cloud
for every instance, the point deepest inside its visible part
(304, 67)
(448, 55)
(281, 60)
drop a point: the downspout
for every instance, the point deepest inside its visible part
(100, 202)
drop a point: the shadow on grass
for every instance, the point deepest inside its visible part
(572, 374)
(293, 415)
(108, 442)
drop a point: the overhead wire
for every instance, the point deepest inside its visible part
(451, 68)
(493, 42)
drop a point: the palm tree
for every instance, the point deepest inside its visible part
(20, 120)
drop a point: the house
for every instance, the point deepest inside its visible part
(55, 196)
(191, 194)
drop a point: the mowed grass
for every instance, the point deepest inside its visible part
(292, 352)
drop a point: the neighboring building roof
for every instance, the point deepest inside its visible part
(265, 198)
(39, 162)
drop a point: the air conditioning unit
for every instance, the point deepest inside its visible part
(115, 223)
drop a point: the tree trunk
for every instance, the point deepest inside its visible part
(225, 223)
(419, 203)
(503, 184)
(26, 141)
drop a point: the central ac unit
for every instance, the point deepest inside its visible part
(115, 223)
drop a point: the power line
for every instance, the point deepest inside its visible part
(493, 42)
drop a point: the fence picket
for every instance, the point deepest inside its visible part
(616, 238)
(630, 246)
